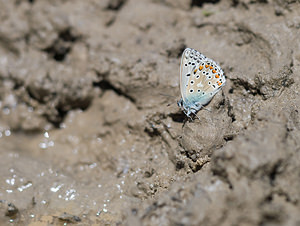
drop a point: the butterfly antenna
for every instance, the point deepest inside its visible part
(204, 108)
(166, 95)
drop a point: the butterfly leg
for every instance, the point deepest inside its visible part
(188, 114)
(197, 116)
(196, 109)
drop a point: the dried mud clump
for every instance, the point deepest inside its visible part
(90, 133)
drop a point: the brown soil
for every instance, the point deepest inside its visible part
(90, 133)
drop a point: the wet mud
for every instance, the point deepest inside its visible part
(90, 133)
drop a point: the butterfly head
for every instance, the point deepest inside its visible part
(189, 107)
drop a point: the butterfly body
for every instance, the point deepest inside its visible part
(200, 79)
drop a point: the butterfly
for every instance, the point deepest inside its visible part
(200, 79)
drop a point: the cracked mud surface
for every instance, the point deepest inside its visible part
(90, 133)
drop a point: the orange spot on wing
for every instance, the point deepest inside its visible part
(217, 76)
(206, 66)
(219, 83)
(213, 71)
(211, 67)
(195, 70)
(201, 67)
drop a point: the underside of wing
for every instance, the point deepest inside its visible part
(204, 80)
(190, 60)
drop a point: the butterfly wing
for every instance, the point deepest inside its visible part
(201, 78)
(189, 61)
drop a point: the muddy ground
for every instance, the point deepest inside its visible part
(90, 133)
